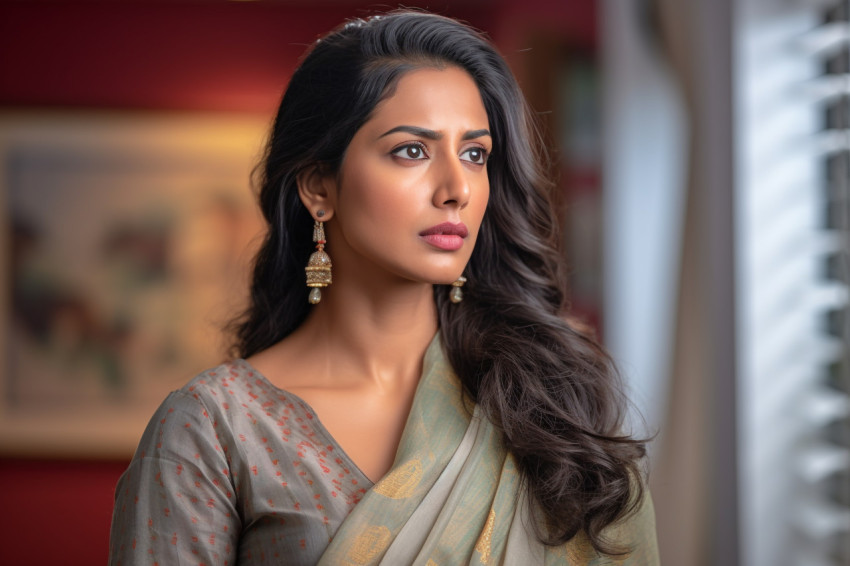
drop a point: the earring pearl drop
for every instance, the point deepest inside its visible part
(456, 295)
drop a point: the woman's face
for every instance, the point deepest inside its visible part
(413, 187)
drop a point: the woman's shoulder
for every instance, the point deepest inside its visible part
(235, 393)
(218, 377)
(227, 403)
(223, 395)
(235, 380)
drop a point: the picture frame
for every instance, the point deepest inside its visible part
(126, 239)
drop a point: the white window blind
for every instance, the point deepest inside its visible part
(794, 95)
(832, 487)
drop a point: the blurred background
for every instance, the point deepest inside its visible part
(703, 156)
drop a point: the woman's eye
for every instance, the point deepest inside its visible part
(413, 151)
(476, 155)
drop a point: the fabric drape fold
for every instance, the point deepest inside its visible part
(454, 496)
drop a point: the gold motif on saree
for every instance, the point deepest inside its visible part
(402, 482)
(483, 546)
(369, 544)
(578, 550)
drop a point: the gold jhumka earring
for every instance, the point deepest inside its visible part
(319, 266)
(456, 295)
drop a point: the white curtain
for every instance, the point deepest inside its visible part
(669, 315)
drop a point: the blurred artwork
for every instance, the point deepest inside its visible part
(129, 244)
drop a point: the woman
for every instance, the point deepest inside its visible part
(422, 399)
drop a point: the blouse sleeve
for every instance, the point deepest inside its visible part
(175, 504)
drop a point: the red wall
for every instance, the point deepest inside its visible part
(174, 55)
(179, 54)
(56, 512)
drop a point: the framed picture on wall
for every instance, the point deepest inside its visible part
(126, 243)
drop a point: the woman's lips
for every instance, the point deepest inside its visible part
(446, 236)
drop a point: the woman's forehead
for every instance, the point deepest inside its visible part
(437, 99)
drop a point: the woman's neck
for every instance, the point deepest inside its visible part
(377, 333)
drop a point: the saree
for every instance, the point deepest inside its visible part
(454, 496)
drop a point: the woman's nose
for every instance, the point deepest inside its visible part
(452, 185)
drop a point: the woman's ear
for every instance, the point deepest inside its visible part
(316, 188)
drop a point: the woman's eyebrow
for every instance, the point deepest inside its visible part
(433, 135)
(472, 134)
(416, 131)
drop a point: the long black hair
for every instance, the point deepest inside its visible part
(549, 387)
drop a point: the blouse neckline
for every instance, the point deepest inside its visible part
(319, 426)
